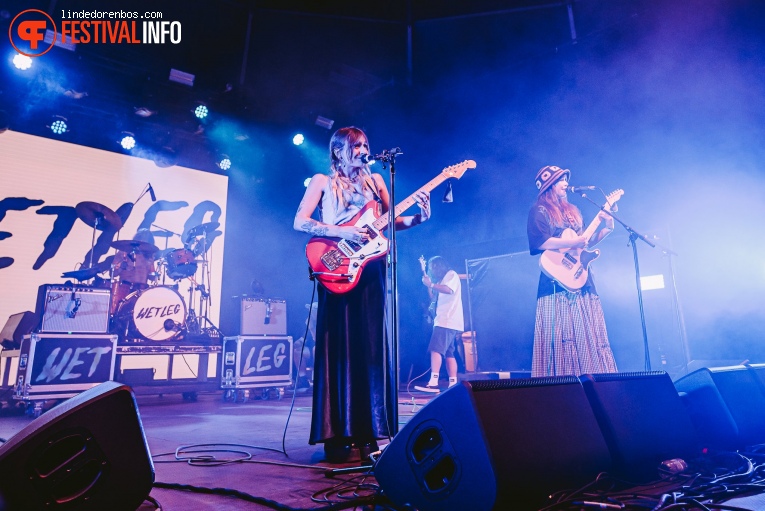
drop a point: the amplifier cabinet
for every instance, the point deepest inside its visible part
(256, 361)
(75, 309)
(263, 316)
(60, 366)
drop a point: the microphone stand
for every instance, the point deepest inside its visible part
(634, 235)
(390, 157)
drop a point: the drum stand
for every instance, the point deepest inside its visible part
(201, 324)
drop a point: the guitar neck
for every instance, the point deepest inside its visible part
(382, 222)
(591, 228)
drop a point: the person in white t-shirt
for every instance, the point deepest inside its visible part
(448, 323)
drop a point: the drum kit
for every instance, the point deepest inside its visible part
(145, 303)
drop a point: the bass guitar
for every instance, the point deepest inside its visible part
(570, 267)
(433, 296)
(338, 262)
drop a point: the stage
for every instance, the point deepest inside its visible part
(288, 473)
(210, 452)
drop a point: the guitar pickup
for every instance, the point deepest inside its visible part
(370, 232)
(332, 260)
(570, 258)
(348, 248)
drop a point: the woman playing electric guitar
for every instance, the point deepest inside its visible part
(570, 335)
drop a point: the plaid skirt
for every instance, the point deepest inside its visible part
(580, 343)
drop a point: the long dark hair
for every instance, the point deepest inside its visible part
(561, 211)
(437, 268)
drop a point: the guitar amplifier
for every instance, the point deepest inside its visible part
(263, 316)
(75, 309)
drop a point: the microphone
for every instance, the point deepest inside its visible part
(367, 160)
(169, 325)
(577, 189)
(151, 192)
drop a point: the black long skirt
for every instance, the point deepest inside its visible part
(354, 387)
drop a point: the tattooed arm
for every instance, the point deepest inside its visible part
(304, 222)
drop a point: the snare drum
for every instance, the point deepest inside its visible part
(154, 314)
(181, 264)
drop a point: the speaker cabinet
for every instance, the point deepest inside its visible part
(73, 309)
(87, 454)
(502, 444)
(17, 326)
(642, 419)
(263, 317)
(726, 404)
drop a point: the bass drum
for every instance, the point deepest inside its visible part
(154, 314)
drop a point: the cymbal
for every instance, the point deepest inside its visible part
(98, 216)
(89, 273)
(86, 274)
(134, 246)
(162, 234)
(201, 229)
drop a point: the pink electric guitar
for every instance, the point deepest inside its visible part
(570, 267)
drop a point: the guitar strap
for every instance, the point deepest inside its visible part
(373, 188)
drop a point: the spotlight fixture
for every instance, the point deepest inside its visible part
(127, 141)
(225, 162)
(181, 77)
(324, 122)
(59, 126)
(22, 62)
(298, 139)
(201, 111)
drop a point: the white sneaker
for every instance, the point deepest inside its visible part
(428, 388)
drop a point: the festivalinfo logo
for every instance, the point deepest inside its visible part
(34, 32)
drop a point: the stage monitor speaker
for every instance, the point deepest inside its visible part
(502, 444)
(17, 326)
(726, 404)
(75, 309)
(643, 421)
(87, 454)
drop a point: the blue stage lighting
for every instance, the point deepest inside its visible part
(201, 112)
(58, 127)
(127, 142)
(22, 62)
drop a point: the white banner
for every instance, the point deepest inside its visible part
(42, 181)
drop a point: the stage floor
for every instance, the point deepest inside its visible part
(283, 467)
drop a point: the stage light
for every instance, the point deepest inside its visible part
(59, 126)
(22, 62)
(127, 141)
(324, 122)
(224, 163)
(201, 111)
(649, 282)
(298, 139)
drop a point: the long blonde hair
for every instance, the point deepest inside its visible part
(561, 211)
(342, 143)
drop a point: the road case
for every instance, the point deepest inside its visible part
(256, 362)
(60, 366)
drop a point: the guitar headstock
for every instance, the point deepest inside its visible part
(423, 263)
(459, 169)
(611, 199)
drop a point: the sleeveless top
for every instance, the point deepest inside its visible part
(340, 201)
